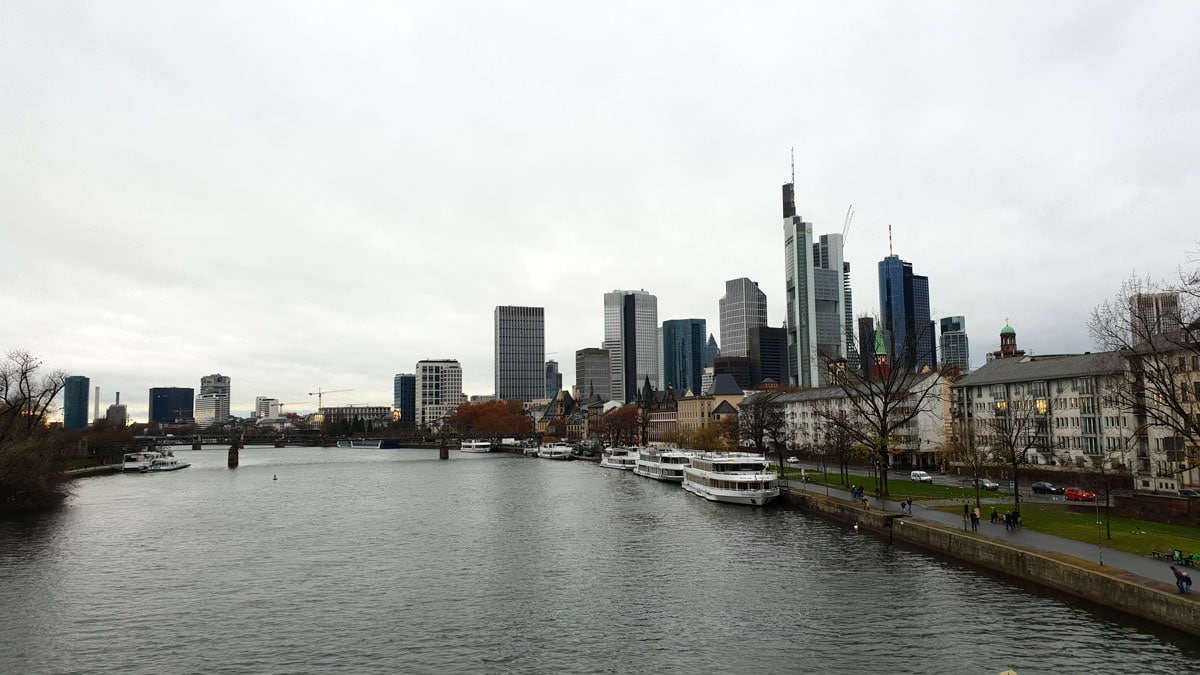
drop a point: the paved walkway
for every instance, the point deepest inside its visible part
(1141, 565)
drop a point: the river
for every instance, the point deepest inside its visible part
(311, 560)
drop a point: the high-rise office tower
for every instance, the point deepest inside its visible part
(866, 346)
(439, 391)
(768, 355)
(742, 307)
(404, 398)
(553, 379)
(212, 405)
(904, 314)
(171, 405)
(75, 402)
(852, 358)
(956, 351)
(591, 372)
(711, 351)
(1153, 314)
(631, 338)
(684, 345)
(520, 343)
(817, 295)
(265, 406)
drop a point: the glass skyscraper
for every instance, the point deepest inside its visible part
(956, 351)
(169, 405)
(404, 397)
(75, 402)
(742, 307)
(520, 334)
(631, 338)
(684, 343)
(904, 316)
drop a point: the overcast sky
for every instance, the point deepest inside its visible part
(302, 195)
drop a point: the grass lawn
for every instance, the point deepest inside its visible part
(1132, 536)
(897, 488)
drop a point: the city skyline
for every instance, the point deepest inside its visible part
(237, 197)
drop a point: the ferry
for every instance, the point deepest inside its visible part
(665, 464)
(619, 458)
(555, 451)
(736, 478)
(140, 461)
(167, 463)
(475, 446)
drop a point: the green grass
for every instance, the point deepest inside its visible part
(1132, 536)
(897, 488)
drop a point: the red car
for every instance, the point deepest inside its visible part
(1075, 494)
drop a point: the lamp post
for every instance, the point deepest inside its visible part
(1099, 539)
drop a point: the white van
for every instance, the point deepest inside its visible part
(920, 477)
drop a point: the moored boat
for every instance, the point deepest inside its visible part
(735, 478)
(665, 464)
(555, 451)
(475, 446)
(140, 461)
(619, 458)
(167, 463)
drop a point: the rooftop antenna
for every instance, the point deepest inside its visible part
(793, 165)
(890, 239)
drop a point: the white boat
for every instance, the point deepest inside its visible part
(140, 461)
(475, 446)
(531, 451)
(619, 458)
(736, 478)
(167, 463)
(555, 451)
(663, 463)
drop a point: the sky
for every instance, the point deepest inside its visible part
(305, 195)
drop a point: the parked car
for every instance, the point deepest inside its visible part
(1075, 494)
(793, 460)
(1189, 492)
(988, 484)
(920, 477)
(1044, 488)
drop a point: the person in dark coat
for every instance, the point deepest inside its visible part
(1182, 581)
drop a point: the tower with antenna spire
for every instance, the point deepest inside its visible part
(815, 274)
(904, 316)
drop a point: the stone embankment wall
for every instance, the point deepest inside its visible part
(1129, 593)
(1158, 509)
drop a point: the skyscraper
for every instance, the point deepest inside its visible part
(684, 345)
(265, 406)
(553, 379)
(742, 307)
(212, 405)
(75, 402)
(711, 351)
(631, 338)
(404, 397)
(817, 295)
(904, 316)
(591, 372)
(439, 391)
(1153, 314)
(956, 351)
(768, 355)
(169, 405)
(520, 353)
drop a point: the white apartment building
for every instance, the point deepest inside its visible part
(438, 391)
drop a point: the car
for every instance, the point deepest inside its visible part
(793, 460)
(1189, 492)
(920, 477)
(1044, 488)
(1075, 494)
(988, 484)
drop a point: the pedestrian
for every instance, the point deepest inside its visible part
(910, 506)
(1182, 580)
(975, 520)
(1007, 520)
(995, 516)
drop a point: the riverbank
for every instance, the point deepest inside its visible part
(1118, 589)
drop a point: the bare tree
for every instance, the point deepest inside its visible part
(30, 476)
(838, 443)
(1011, 429)
(884, 399)
(1155, 327)
(965, 450)
(26, 397)
(761, 419)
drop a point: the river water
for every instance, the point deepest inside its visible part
(310, 560)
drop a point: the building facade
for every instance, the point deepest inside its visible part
(265, 406)
(956, 351)
(631, 338)
(212, 405)
(75, 402)
(362, 417)
(554, 381)
(743, 307)
(904, 316)
(1154, 314)
(684, 343)
(439, 392)
(592, 373)
(768, 355)
(520, 349)
(817, 293)
(404, 398)
(117, 414)
(171, 405)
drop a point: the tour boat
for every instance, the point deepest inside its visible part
(140, 461)
(662, 463)
(555, 451)
(619, 458)
(475, 446)
(736, 478)
(167, 463)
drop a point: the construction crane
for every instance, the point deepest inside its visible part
(846, 224)
(320, 394)
(289, 403)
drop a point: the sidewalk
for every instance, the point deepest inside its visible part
(1143, 566)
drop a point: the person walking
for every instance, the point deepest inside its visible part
(975, 520)
(995, 516)
(910, 506)
(1182, 580)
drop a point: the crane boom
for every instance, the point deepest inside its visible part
(320, 394)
